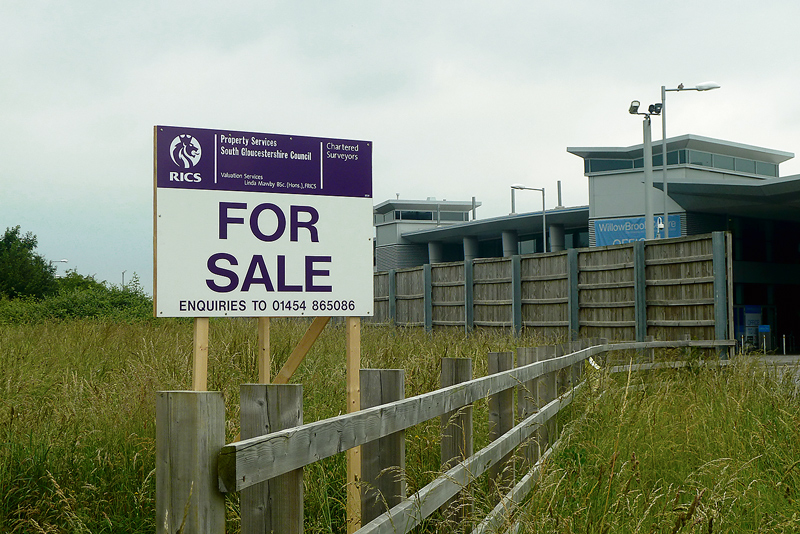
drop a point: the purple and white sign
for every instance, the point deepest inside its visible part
(250, 224)
(219, 160)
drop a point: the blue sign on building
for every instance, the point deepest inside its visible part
(629, 229)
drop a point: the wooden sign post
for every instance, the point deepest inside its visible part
(200, 365)
(353, 349)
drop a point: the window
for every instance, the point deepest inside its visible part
(700, 158)
(746, 165)
(453, 216)
(723, 162)
(766, 169)
(416, 215)
(603, 165)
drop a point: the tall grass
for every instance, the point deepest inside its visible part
(77, 410)
(689, 451)
(699, 450)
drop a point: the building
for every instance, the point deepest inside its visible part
(713, 185)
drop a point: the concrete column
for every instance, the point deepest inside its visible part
(555, 238)
(434, 252)
(470, 248)
(510, 243)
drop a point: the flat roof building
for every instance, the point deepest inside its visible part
(712, 184)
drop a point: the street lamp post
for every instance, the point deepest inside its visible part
(706, 86)
(544, 216)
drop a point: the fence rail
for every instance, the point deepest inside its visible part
(194, 493)
(665, 288)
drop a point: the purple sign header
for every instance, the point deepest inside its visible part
(223, 160)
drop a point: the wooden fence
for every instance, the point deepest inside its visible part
(195, 467)
(666, 288)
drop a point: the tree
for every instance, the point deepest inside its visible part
(72, 281)
(23, 272)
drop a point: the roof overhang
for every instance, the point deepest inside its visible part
(775, 198)
(690, 141)
(425, 205)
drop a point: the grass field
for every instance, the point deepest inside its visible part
(688, 451)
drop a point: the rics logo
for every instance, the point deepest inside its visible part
(185, 151)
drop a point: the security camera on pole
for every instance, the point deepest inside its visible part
(654, 109)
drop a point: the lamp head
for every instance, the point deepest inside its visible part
(655, 109)
(707, 86)
(634, 109)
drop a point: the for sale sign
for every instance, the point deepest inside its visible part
(251, 224)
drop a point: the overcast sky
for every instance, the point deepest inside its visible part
(461, 99)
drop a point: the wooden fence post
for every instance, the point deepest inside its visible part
(456, 434)
(190, 431)
(649, 354)
(526, 406)
(640, 290)
(428, 296)
(516, 293)
(392, 296)
(469, 296)
(383, 461)
(277, 504)
(573, 304)
(501, 420)
(547, 392)
(721, 306)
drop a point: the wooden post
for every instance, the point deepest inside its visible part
(469, 296)
(573, 303)
(547, 386)
(650, 354)
(383, 461)
(456, 434)
(392, 296)
(297, 355)
(190, 431)
(640, 290)
(561, 374)
(353, 366)
(200, 365)
(527, 393)
(577, 368)
(428, 296)
(264, 359)
(516, 294)
(721, 305)
(277, 504)
(501, 420)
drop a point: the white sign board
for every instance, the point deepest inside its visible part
(260, 225)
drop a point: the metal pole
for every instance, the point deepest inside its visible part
(512, 201)
(664, 157)
(648, 178)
